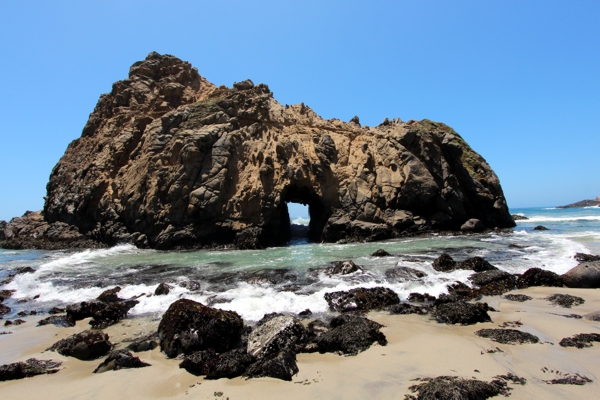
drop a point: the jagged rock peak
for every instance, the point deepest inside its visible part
(169, 160)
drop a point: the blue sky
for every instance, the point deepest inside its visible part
(517, 79)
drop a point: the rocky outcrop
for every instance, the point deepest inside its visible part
(583, 203)
(168, 160)
(33, 231)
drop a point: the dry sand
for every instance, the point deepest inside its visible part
(418, 347)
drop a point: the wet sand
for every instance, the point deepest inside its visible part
(417, 347)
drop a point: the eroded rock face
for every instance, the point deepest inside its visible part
(168, 160)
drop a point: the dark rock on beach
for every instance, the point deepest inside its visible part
(87, 345)
(570, 379)
(276, 334)
(349, 335)
(62, 321)
(27, 369)
(584, 275)
(580, 340)
(456, 388)
(461, 312)
(517, 297)
(215, 366)
(565, 300)
(120, 359)
(144, 343)
(85, 309)
(281, 366)
(361, 299)
(112, 313)
(540, 228)
(189, 326)
(494, 282)
(508, 336)
(517, 217)
(539, 277)
(407, 308)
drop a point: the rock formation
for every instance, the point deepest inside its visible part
(583, 203)
(168, 160)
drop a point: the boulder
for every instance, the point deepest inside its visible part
(539, 277)
(110, 295)
(162, 289)
(473, 225)
(120, 359)
(404, 274)
(584, 275)
(215, 366)
(281, 365)
(540, 228)
(381, 253)
(189, 326)
(349, 335)
(112, 313)
(361, 299)
(276, 334)
(86, 345)
(342, 268)
(461, 312)
(144, 343)
(494, 282)
(27, 369)
(517, 217)
(84, 309)
(476, 264)
(444, 263)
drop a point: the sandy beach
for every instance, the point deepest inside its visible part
(418, 347)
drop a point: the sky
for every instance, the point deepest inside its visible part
(518, 80)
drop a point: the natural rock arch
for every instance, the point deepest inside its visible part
(168, 160)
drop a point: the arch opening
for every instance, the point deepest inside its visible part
(309, 204)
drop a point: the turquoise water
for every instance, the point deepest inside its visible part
(254, 282)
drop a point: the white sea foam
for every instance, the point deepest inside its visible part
(301, 221)
(560, 219)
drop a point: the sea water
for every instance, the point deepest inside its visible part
(283, 279)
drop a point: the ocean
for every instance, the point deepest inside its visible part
(282, 279)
